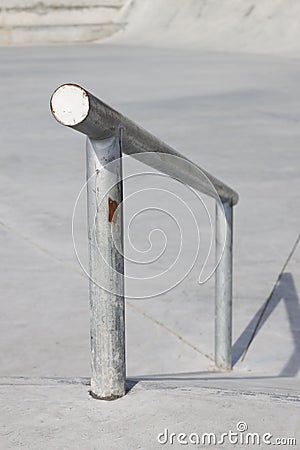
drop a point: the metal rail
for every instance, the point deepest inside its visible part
(73, 106)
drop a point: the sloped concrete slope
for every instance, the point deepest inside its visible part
(234, 25)
(53, 21)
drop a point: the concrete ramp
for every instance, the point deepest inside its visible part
(230, 25)
(56, 21)
(259, 26)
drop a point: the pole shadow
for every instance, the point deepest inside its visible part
(285, 291)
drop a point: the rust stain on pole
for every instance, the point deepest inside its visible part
(112, 206)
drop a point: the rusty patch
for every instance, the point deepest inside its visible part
(112, 206)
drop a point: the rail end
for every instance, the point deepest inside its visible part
(235, 198)
(69, 104)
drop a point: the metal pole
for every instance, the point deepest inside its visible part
(77, 108)
(223, 286)
(106, 265)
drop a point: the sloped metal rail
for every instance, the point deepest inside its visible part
(75, 107)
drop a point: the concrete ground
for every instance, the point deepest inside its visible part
(235, 115)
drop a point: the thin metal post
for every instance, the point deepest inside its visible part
(106, 265)
(223, 286)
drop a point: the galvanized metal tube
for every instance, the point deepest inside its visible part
(223, 286)
(75, 107)
(106, 268)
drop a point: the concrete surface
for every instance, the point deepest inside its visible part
(59, 414)
(237, 116)
(53, 21)
(259, 26)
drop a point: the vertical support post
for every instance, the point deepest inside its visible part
(106, 265)
(223, 285)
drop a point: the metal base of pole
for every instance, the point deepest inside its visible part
(106, 265)
(223, 286)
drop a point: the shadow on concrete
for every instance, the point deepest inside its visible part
(130, 383)
(285, 291)
(198, 376)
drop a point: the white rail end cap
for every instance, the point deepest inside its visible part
(69, 104)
